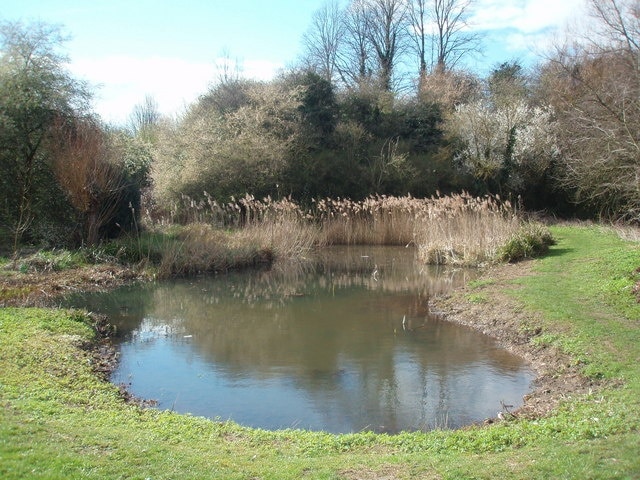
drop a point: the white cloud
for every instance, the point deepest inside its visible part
(523, 29)
(526, 16)
(260, 69)
(123, 81)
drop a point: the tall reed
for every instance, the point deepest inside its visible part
(457, 229)
(200, 247)
(464, 230)
(280, 226)
(214, 237)
(376, 220)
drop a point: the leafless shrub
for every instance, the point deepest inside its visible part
(84, 167)
(593, 82)
(230, 152)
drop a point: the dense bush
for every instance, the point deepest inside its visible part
(531, 240)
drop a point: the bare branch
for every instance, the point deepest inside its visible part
(323, 39)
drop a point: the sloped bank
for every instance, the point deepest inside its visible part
(489, 306)
(567, 314)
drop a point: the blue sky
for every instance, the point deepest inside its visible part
(169, 49)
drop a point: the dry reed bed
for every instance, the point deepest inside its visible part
(465, 230)
(244, 232)
(376, 220)
(458, 229)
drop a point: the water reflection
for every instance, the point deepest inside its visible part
(341, 343)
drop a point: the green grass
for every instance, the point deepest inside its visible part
(479, 283)
(58, 420)
(49, 260)
(590, 311)
(477, 298)
(146, 246)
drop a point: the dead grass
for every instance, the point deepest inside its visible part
(200, 247)
(245, 232)
(464, 230)
(627, 232)
(376, 220)
(280, 226)
(455, 230)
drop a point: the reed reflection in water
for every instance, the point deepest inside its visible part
(342, 343)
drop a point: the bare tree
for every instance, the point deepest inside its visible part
(144, 116)
(418, 25)
(619, 26)
(355, 54)
(388, 34)
(229, 69)
(451, 38)
(322, 40)
(594, 84)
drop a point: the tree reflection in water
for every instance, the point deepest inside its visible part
(324, 345)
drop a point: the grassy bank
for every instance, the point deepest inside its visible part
(58, 420)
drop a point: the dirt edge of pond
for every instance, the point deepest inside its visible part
(489, 308)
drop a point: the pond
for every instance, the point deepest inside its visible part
(341, 343)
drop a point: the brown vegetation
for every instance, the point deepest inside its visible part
(201, 248)
(593, 83)
(214, 236)
(463, 230)
(85, 171)
(44, 287)
(457, 229)
(379, 220)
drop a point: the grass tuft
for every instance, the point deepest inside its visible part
(532, 239)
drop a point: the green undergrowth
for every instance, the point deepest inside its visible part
(58, 419)
(54, 260)
(532, 239)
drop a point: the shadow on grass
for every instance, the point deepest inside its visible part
(558, 252)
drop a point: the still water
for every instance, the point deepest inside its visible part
(341, 343)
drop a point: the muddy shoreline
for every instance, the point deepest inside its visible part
(498, 315)
(501, 317)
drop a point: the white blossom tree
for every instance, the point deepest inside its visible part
(504, 146)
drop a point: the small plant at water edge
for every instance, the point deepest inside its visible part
(531, 240)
